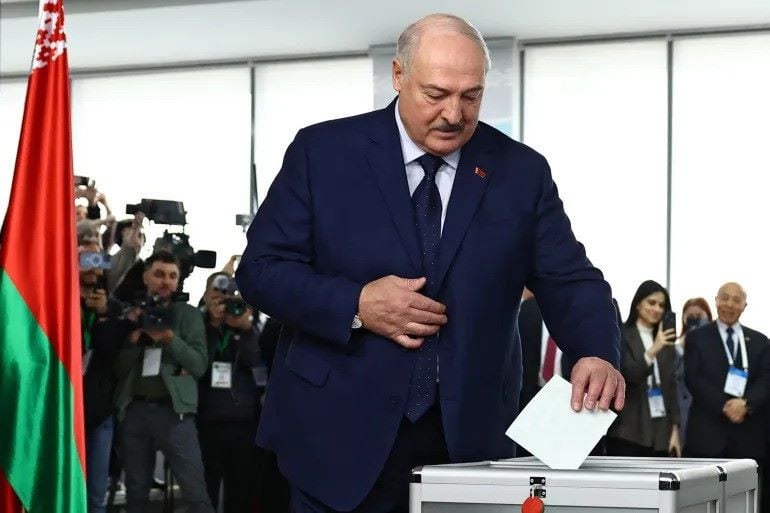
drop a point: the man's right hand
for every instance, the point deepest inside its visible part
(392, 307)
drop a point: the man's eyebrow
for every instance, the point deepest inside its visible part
(437, 88)
(440, 89)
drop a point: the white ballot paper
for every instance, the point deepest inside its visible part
(553, 432)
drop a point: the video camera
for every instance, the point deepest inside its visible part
(234, 303)
(160, 211)
(155, 314)
(84, 181)
(177, 243)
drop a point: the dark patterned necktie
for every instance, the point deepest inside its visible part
(427, 212)
(730, 341)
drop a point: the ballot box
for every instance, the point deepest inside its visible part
(602, 484)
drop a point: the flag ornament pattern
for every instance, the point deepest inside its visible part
(51, 39)
(42, 439)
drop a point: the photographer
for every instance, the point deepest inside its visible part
(162, 358)
(89, 218)
(86, 188)
(130, 237)
(99, 353)
(229, 397)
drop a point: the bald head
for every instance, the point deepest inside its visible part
(410, 38)
(731, 302)
(732, 287)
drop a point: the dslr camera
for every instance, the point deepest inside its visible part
(93, 260)
(155, 314)
(234, 303)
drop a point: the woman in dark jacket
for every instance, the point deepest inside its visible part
(649, 423)
(695, 313)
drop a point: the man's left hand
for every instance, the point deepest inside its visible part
(600, 381)
(735, 410)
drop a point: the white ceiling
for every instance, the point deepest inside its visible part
(109, 33)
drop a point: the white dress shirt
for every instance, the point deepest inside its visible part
(445, 177)
(737, 337)
(645, 333)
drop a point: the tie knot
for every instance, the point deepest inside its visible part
(730, 330)
(430, 164)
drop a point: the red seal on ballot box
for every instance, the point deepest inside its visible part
(533, 505)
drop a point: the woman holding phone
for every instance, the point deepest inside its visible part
(649, 424)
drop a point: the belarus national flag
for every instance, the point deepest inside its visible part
(42, 455)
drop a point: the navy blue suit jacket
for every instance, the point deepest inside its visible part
(338, 216)
(709, 432)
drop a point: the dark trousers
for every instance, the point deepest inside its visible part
(275, 493)
(231, 459)
(421, 443)
(147, 428)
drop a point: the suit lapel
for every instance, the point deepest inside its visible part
(473, 175)
(720, 345)
(749, 345)
(635, 342)
(387, 164)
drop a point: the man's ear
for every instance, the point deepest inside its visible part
(397, 75)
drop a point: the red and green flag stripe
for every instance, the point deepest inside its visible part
(42, 453)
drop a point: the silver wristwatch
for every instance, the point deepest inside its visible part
(356, 322)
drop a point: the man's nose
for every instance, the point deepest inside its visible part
(452, 111)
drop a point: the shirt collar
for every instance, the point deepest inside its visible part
(412, 152)
(723, 327)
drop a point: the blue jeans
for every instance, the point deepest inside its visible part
(98, 447)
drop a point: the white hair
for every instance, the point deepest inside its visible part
(410, 37)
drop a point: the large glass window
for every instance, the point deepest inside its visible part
(181, 136)
(721, 109)
(292, 95)
(12, 96)
(598, 113)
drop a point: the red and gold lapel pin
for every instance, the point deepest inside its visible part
(480, 172)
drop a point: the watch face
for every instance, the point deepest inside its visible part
(357, 322)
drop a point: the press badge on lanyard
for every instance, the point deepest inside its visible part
(655, 394)
(735, 384)
(221, 375)
(151, 361)
(222, 372)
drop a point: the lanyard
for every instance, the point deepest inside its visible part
(87, 322)
(224, 342)
(653, 381)
(731, 357)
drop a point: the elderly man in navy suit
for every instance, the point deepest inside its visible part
(727, 370)
(394, 247)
